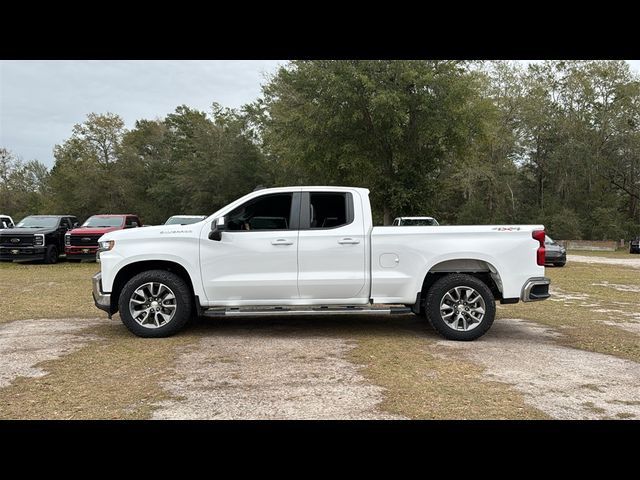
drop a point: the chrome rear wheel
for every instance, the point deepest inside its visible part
(462, 308)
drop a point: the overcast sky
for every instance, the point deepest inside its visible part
(40, 101)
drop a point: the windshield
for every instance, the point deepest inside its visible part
(97, 222)
(38, 222)
(183, 220)
(419, 222)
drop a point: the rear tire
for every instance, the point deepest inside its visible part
(152, 326)
(466, 301)
(51, 256)
(561, 264)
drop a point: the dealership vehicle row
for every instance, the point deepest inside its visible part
(46, 237)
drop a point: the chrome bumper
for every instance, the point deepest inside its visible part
(535, 289)
(102, 300)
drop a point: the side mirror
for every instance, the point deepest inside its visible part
(75, 224)
(134, 224)
(218, 226)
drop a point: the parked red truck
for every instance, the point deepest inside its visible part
(82, 242)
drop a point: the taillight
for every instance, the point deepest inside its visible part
(539, 235)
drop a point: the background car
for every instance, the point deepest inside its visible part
(554, 253)
(415, 222)
(634, 245)
(184, 219)
(36, 237)
(82, 243)
(6, 221)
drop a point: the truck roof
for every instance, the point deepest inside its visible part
(416, 218)
(58, 216)
(324, 188)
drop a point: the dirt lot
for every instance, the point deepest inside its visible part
(574, 356)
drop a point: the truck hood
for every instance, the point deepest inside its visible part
(154, 232)
(92, 230)
(25, 231)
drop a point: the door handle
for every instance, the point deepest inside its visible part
(348, 241)
(281, 241)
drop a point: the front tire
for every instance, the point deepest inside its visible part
(51, 256)
(155, 304)
(460, 307)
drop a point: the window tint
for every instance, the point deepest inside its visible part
(129, 221)
(66, 223)
(270, 212)
(327, 210)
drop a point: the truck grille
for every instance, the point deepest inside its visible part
(85, 240)
(16, 240)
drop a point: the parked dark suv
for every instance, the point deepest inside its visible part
(634, 245)
(36, 237)
(554, 252)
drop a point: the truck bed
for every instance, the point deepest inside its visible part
(401, 257)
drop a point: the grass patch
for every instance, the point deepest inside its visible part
(578, 319)
(116, 377)
(419, 384)
(46, 291)
(620, 253)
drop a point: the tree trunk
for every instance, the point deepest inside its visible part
(387, 216)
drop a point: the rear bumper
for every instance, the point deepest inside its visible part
(23, 253)
(535, 289)
(102, 300)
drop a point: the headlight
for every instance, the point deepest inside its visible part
(67, 239)
(106, 245)
(38, 239)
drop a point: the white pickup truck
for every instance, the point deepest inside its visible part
(314, 250)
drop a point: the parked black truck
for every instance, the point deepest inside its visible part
(36, 237)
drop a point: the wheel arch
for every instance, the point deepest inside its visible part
(482, 269)
(132, 269)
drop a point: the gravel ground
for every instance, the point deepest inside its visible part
(270, 374)
(25, 343)
(563, 382)
(271, 371)
(625, 262)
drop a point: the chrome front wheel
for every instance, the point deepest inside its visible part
(152, 305)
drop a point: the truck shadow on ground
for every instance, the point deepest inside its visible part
(306, 325)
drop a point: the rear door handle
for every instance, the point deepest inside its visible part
(348, 241)
(281, 241)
